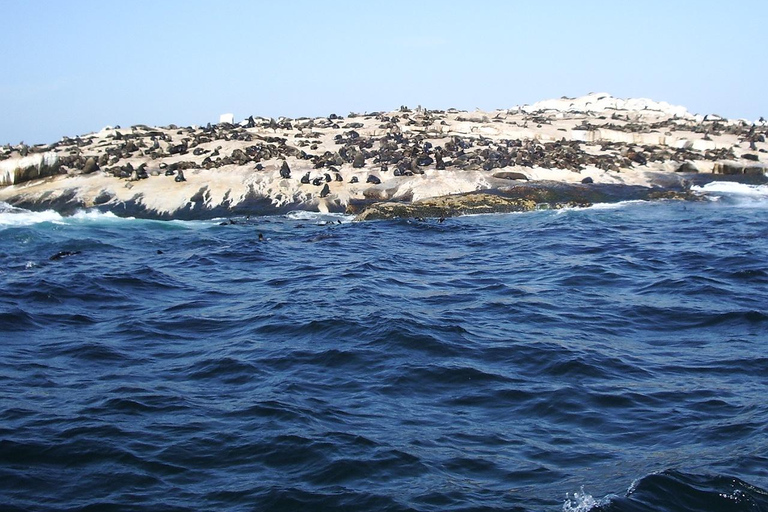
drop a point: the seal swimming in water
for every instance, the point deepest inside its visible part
(63, 254)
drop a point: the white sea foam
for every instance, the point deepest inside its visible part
(601, 206)
(318, 216)
(739, 194)
(10, 216)
(581, 501)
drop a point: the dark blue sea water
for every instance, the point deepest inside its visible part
(612, 358)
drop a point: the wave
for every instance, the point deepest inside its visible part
(676, 491)
(11, 216)
(318, 216)
(734, 194)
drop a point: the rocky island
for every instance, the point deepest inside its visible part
(408, 162)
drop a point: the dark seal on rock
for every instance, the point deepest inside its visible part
(373, 179)
(326, 190)
(179, 176)
(510, 175)
(285, 171)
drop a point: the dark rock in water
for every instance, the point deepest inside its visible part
(326, 190)
(520, 197)
(587, 180)
(373, 179)
(447, 206)
(63, 254)
(285, 171)
(510, 175)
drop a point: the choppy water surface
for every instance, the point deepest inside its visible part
(611, 358)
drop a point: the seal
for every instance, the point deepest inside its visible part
(179, 176)
(326, 190)
(63, 254)
(305, 179)
(285, 171)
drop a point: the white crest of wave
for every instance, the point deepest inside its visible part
(318, 216)
(89, 215)
(11, 216)
(581, 501)
(739, 194)
(729, 187)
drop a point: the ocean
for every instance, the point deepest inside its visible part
(612, 358)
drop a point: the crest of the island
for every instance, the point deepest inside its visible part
(411, 162)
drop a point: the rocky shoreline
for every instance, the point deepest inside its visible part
(410, 162)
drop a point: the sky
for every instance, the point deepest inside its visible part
(73, 67)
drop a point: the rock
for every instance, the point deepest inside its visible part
(732, 168)
(31, 167)
(447, 206)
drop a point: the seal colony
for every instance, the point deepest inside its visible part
(409, 162)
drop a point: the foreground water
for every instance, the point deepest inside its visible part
(611, 358)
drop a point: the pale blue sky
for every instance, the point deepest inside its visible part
(72, 67)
